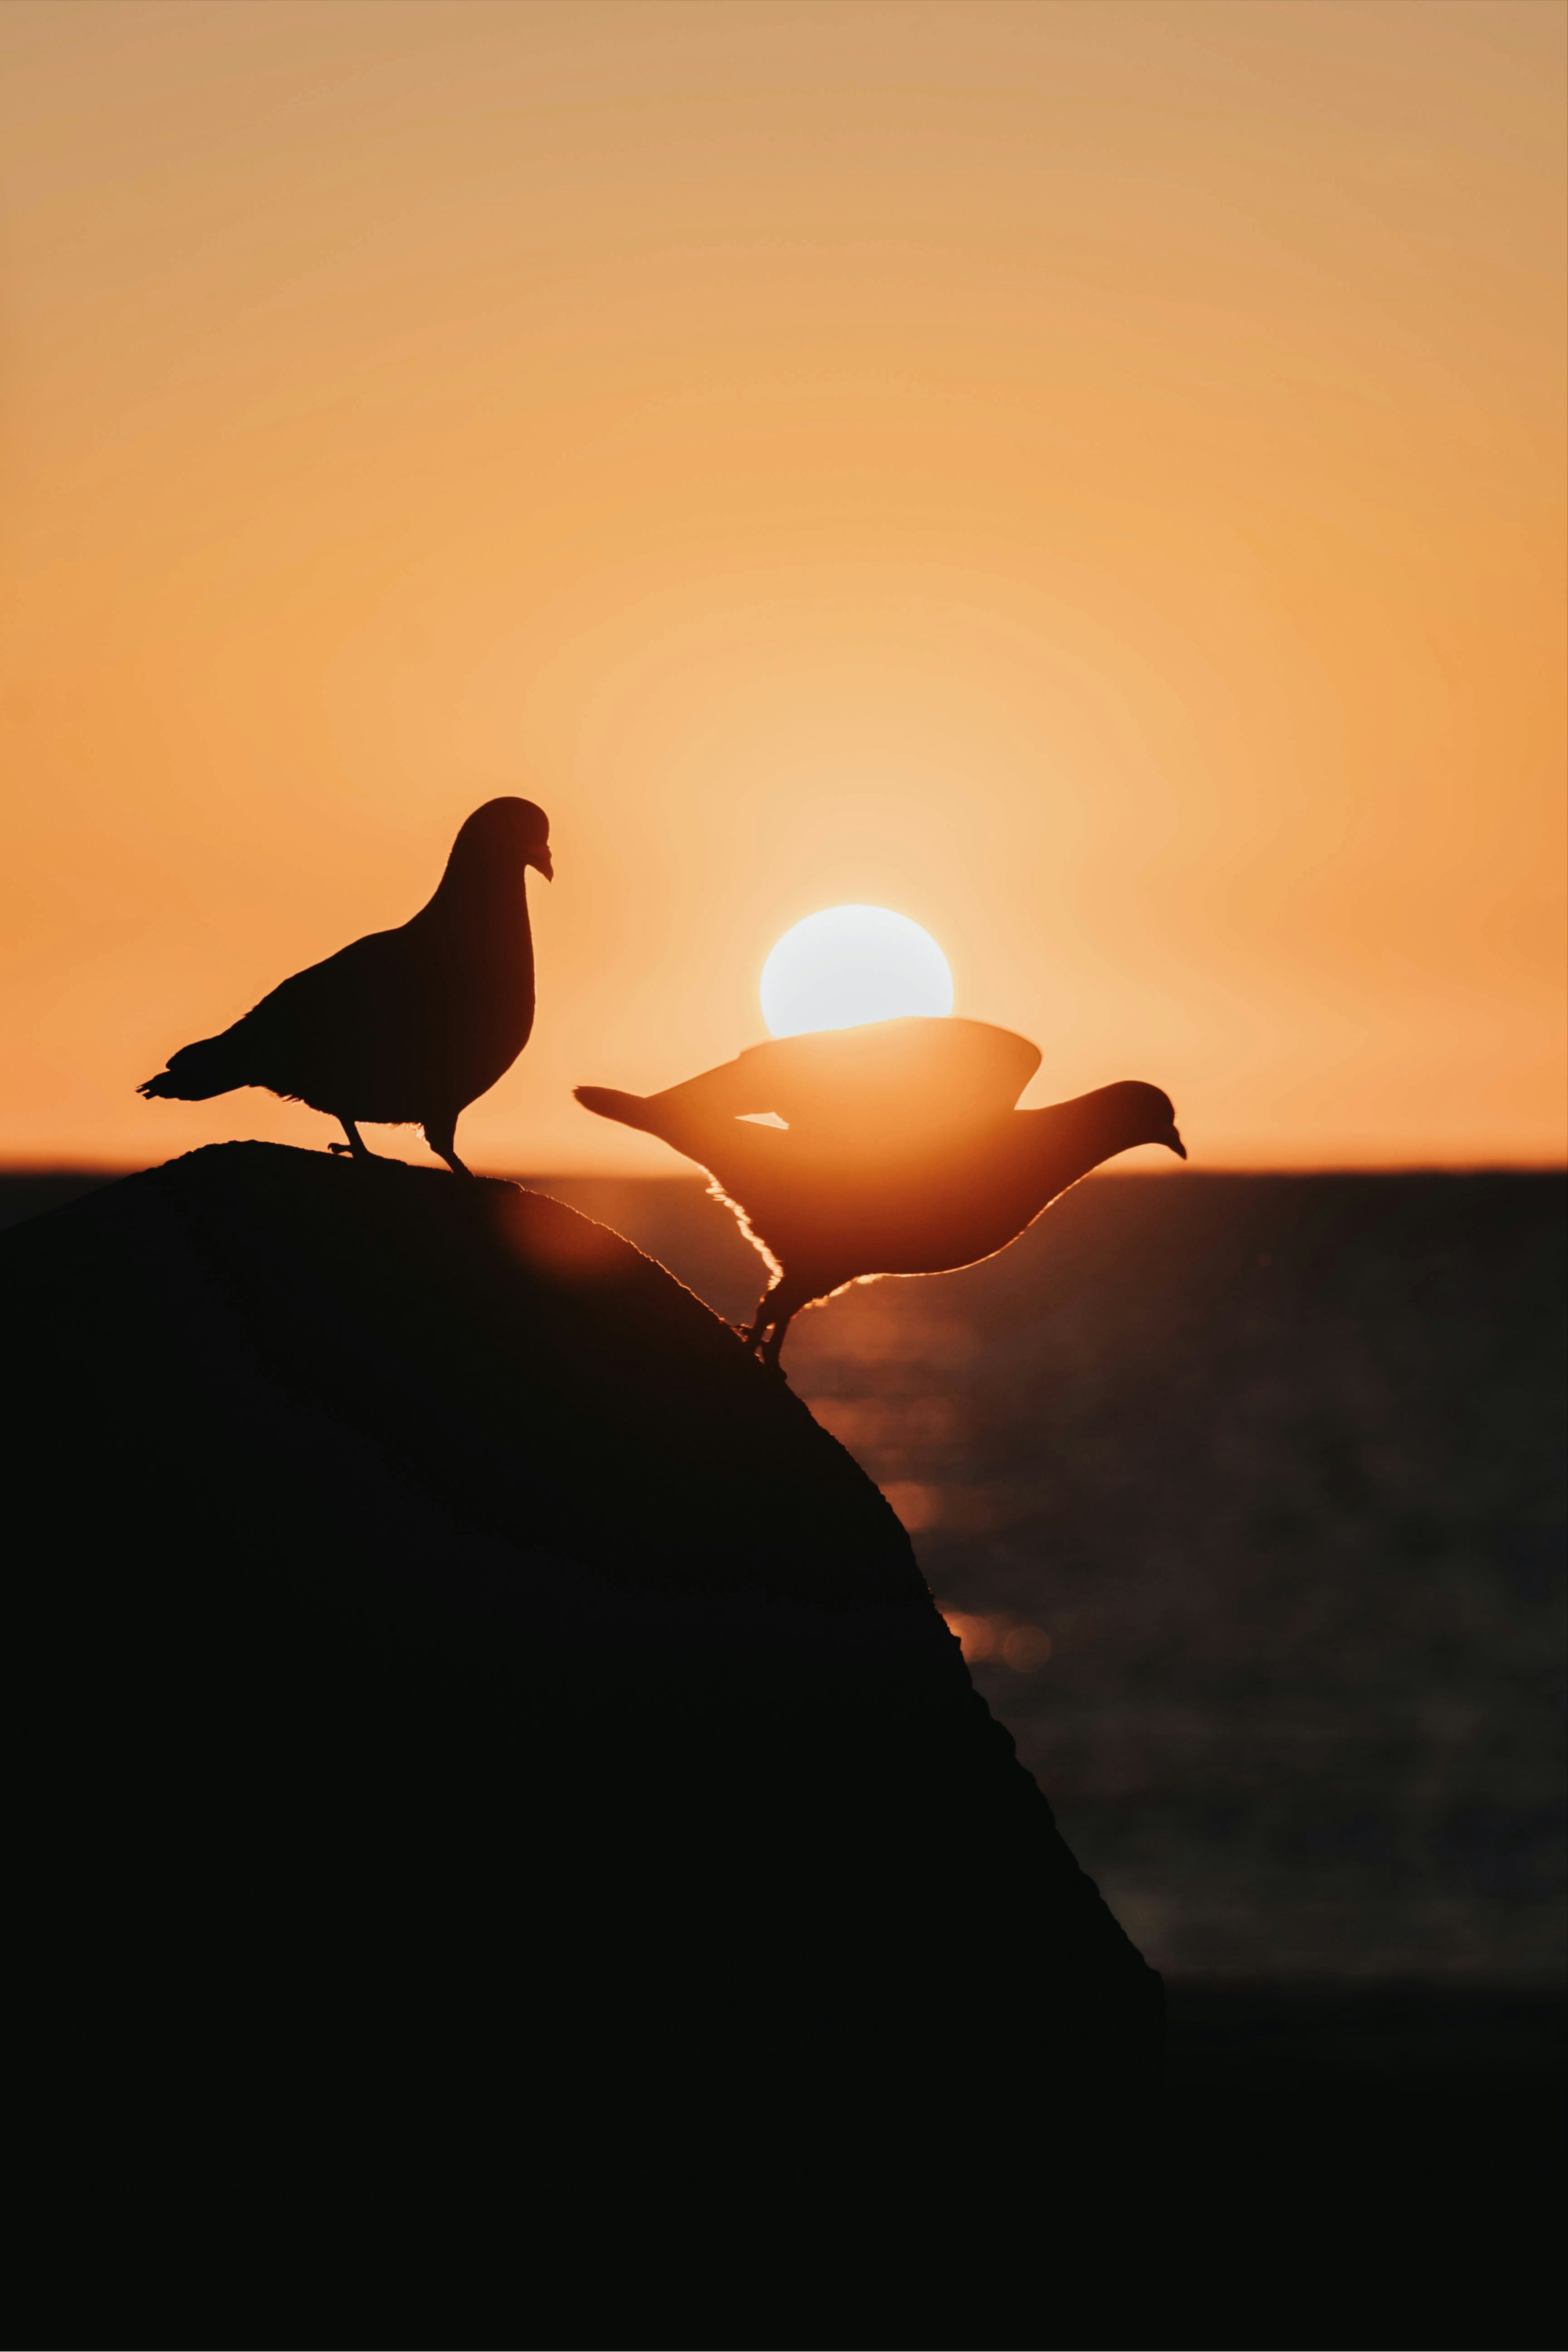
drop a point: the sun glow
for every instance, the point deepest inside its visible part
(852, 964)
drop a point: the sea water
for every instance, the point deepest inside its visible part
(1246, 1497)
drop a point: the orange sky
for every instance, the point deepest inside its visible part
(1088, 476)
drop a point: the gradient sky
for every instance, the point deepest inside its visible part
(1087, 477)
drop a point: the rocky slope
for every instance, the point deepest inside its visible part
(472, 1728)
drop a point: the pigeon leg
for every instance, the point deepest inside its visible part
(440, 1134)
(769, 1352)
(760, 1325)
(356, 1145)
(777, 1311)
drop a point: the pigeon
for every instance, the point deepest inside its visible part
(891, 1149)
(404, 1027)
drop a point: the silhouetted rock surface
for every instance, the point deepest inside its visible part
(476, 1729)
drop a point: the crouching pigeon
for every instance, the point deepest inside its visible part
(892, 1149)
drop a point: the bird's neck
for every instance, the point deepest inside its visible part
(1068, 1139)
(491, 913)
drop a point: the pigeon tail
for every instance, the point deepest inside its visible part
(195, 1074)
(632, 1110)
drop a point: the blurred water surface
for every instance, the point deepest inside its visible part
(1246, 1495)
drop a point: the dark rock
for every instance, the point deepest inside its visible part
(478, 1737)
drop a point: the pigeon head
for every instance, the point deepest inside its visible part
(1135, 1113)
(499, 840)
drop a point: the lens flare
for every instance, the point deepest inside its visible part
(851, 964)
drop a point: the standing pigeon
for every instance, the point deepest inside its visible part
(404, 1027)
(900, 1152)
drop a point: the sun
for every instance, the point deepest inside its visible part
(852, 964)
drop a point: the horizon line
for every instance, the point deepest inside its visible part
(114, 1170)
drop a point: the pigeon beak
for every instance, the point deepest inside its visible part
(540, 860)
(1173, 1142)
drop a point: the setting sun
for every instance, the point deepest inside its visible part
(852, 964)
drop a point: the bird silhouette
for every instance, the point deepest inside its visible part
(404, 1027)
(900, 1149)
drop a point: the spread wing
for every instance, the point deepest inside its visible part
(888, 1075)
